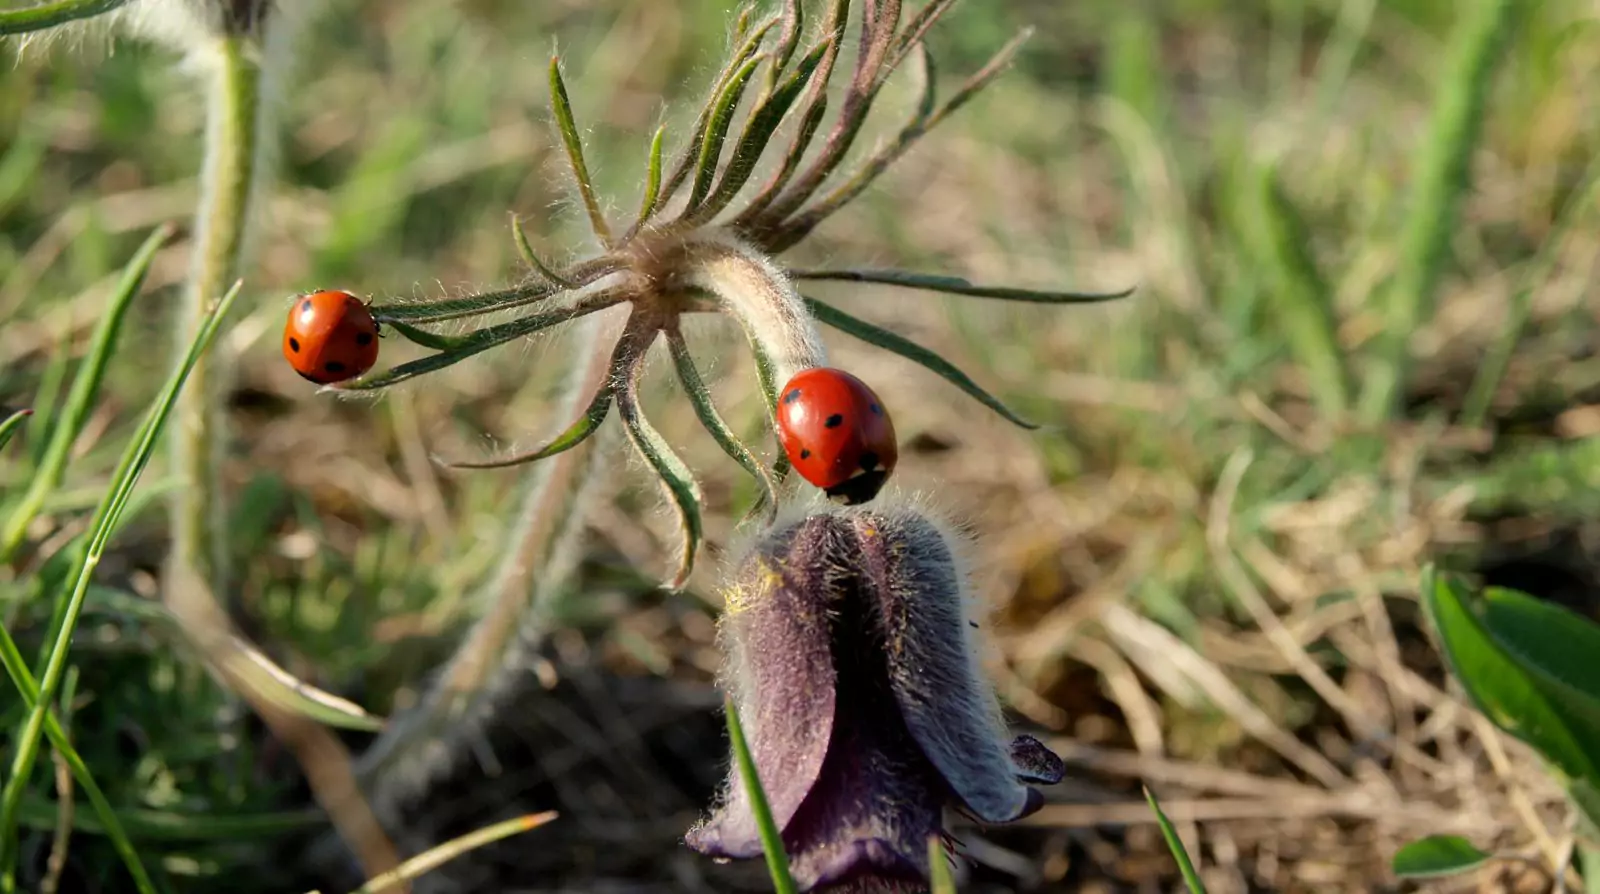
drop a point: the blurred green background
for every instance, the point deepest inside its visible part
(1165, 560)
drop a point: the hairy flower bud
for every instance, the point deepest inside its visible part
(851, 663)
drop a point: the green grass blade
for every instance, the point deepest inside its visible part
(482, 340)
(676, 478)
(1191, 878)
(48, 15)
(940, 879)
(1442, 176)
(955, 285)
(1303, 297)
(167, 826)
(105, 523)
(255, 671)
(575, 434)
(561, 106)
(700, 396)
(891, 341)
(12, 424)
(532, 259)
(17, 669)
(771, 841)
(85, 390)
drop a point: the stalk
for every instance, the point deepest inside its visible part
(235, 135)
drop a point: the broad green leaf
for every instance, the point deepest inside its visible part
(1437, 855)
(1501, 686)
(1551, 639)
(1175, 845)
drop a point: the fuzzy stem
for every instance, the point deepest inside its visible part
(541, 555)
(757, 293)
(234, 137)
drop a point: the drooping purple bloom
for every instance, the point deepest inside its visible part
(851, 664)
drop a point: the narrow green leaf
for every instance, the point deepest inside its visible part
(437, 856)
(891, 341)
(1502, 689)
(48, 15)
(1437, 855)
(700, 396)
(427, 339)
(764, 121)
(771, 840)
(767, 376)
(482, 340)
(12, 424)
(490, 302)
(1191, 878)
(955, 285)
(575, 434)
(1441, 177)
(794, 21)
(255, 671)
(676, 478)
(533, 260)
(85, 390)
(105, 523)
(652, 186)
(941, 881)
(562, 107)
(717, 133)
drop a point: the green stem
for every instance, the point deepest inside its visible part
(48, 15)
(1443, 175)
(233, 142)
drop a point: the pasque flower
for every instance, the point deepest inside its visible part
(850, 661)
(708, 231)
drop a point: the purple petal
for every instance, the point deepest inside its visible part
(780, 672)
(912, 574)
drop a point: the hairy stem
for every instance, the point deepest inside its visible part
(541, 554)
(234, 137)
(757, 293)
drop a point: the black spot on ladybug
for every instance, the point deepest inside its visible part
(305, 306)
(363, 338)
(868, 461)
(876, 410)
(294, 345)
(834, 421)
(333, 366)
(792, 396)
(805, 454)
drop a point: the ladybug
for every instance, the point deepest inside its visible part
(837, 434)
(330, 337)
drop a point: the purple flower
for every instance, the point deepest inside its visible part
(851, 664)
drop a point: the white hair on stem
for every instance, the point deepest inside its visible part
(757, 293)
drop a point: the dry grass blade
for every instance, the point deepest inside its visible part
(433, 858)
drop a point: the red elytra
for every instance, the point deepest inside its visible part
(330, 337)
(837, 434)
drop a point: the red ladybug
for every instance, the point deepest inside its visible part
(330, 337)
(837, 434)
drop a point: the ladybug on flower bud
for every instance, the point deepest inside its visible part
(330, 337)
(837, 434)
